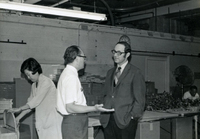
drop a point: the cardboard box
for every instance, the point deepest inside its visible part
(148, 130)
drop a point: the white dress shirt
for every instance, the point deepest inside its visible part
(69, 90)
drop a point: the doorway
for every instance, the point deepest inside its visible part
(157, 71)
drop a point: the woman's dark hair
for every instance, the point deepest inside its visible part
(71, 54)
(32, 65)
(127, 48)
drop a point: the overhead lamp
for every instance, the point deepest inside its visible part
(51, 11)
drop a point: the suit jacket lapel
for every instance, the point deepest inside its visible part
(124, 73)
(112, 76)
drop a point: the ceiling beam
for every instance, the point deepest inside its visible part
(169, 9)
(31, 1)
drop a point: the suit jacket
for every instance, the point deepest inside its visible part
(127, 97)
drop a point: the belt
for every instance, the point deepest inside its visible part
(76, 114)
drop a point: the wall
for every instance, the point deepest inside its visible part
(47, 39)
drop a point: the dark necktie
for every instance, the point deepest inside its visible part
(117, 74)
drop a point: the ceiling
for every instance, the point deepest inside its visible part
(129, 13)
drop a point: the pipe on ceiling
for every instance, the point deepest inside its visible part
(130, 9)
(110, 12)
(59, 3)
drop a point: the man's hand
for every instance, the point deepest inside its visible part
(100, 108)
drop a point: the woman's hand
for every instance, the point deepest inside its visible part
(14, 110)
(17, 120)
(99, 107)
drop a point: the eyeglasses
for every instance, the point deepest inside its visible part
(117, 52)
(82, 56)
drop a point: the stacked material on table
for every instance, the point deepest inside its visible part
(5, 104)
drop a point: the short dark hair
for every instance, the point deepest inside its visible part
(71, 53)
(193, 87)
(32, 65)
(127, 48)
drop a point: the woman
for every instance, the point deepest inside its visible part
(43, 99)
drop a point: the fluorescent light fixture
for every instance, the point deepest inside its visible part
(51, 11)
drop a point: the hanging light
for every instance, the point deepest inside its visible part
(51, 11)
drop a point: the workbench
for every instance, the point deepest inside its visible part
(149, 125)
(181, 124)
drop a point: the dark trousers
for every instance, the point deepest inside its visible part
(75, 127)
(112, 131)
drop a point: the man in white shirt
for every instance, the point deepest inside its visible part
(191, 94)
(71, 102)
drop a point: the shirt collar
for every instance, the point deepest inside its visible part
(122, 66)
(72, 69)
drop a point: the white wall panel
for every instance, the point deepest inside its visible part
(47, 39)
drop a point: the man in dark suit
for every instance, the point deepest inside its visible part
(125, 93)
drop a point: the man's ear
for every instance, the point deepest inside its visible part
(76, 59)
(128, 54)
